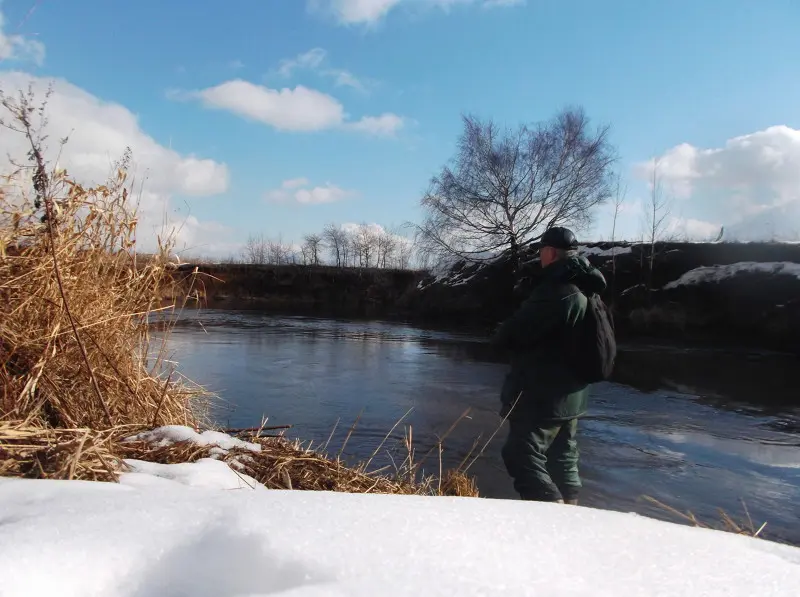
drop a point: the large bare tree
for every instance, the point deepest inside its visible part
(505, 187)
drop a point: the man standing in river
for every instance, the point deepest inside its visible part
(560, 340)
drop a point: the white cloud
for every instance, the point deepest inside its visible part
(751, 177)
(691, 229)
(99, 132)
(370, 12)
(385, 125)
(313, 60)
(299, 109)
(294, 183)
(344, 78)
(300, 190)
(19, 47)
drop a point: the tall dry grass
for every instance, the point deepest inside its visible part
(74, 301)
(76, 359)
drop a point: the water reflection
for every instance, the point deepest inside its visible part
(696, 429)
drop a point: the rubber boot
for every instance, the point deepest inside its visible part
(572, 502)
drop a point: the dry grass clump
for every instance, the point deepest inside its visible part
(77, 369)
(281, 464)
(458, 483)
(41, 453)
(74, 301)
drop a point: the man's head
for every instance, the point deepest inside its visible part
(557, 243)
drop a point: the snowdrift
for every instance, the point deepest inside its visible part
(197, 529)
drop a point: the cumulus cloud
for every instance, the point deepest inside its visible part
(18, 47)
(300, 190)
(370, 12)
(99, 132)
(751, 178)
(300, 109)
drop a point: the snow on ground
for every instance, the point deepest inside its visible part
(206, 472)
(171, 535)
(715, 273)
(598, 252)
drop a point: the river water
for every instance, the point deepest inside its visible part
(698, 429)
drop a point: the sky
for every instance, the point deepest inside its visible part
(276, 117)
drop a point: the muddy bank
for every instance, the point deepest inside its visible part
(295, 289)
(722, 293)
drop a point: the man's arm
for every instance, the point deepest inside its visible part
(534, 319)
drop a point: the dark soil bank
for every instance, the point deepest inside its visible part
(746, 294)
(297, 289)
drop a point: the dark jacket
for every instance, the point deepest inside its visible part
(538, 337)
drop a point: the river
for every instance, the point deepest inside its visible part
(698, 429)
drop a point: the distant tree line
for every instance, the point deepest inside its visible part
(363, 245)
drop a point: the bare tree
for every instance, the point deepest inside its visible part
(404, 252)
(385, 245)
(349, 249)
(335, 239)
(311, 248)
(657, 211)
(279, 253)
(619, 201)
(363, 242)
(255, 250)
(505, 187)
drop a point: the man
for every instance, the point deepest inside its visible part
(543, 395)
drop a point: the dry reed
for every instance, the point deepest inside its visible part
(75, 303)
(77, 365)
(726, 522)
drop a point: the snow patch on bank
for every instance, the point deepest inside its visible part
(73, 538)
(173, 434)
(716, 273)
(600, 252)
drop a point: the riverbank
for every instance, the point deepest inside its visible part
(715, 293)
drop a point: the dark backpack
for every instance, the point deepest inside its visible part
(595, 348)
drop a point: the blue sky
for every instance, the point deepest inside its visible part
(374, 90)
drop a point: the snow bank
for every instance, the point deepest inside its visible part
(715, 273)
(598, 252)
(160, 538)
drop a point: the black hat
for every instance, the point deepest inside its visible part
(559, 238)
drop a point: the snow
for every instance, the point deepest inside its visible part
(598, 252)
(174, 530)
(172, 434)
(206, 472)
(716, 273)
